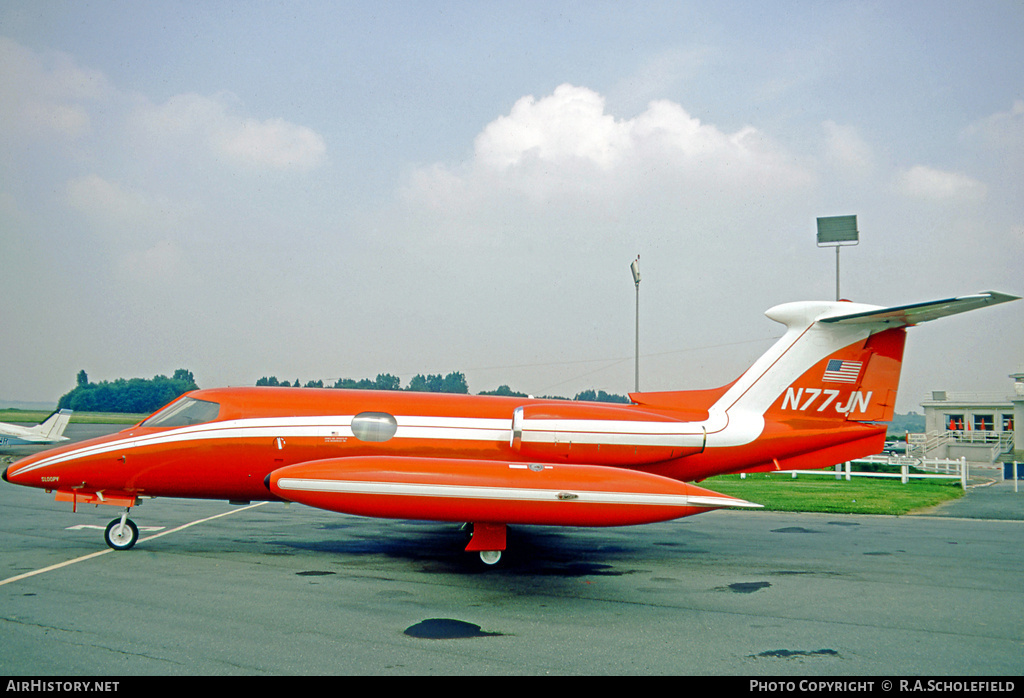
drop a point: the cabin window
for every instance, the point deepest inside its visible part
(374, 426)
(983, 422)
(1007, 422)
(185, 412)
(954, 422)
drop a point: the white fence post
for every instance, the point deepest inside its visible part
(963, 473)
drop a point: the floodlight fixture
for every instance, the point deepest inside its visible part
(838, 231)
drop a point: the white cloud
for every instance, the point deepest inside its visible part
(1002, 130)
(112, 209)
(847, 151)
(571, 126)
(568, 125)
(142, 231)
(247, 142)
(46, 95)
(567, 145)
(921, 182)
(273, 143)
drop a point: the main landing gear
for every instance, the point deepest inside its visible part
(122, 533)
(488, 539)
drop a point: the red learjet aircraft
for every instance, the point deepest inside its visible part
(818, 397)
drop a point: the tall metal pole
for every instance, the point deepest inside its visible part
(837, 273)
(635, 268)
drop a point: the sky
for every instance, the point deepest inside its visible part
(324, 190)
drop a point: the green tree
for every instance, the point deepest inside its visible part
(386, 381)
(454, 382)
(504, 390)
(600, 396)
(135, 395)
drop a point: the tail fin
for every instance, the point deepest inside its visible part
(813, 398)
(857, 382)
(53, 428)
(837, 360)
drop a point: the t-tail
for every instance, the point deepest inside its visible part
(817, 396)
(853, 354)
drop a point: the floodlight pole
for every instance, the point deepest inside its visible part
(837, 273)
(635, 269)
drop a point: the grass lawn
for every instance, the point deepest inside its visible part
(865, 495)
(33, 417)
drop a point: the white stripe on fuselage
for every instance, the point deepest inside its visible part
(410, 427)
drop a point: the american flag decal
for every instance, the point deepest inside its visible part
(839, 371)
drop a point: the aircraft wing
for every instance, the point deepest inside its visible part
(916, 313)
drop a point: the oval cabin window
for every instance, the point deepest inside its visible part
(374, 426)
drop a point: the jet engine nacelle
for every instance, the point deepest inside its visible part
(441, 489)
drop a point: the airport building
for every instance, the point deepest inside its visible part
(981, 427)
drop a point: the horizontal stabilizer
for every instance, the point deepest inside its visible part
(916, 313)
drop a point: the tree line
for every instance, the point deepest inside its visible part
(131, 395)
(454, 382)
(146, 395)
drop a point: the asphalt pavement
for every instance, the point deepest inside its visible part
(988, 496)
(269, 589)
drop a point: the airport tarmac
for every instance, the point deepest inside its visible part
(271, 589)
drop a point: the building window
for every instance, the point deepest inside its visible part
(984, 422)
(954, 422)
(1007, 422)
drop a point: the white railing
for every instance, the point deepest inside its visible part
(950, 469)
(1001, 442)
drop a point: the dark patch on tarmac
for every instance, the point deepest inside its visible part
(446, 629)
(532, 552)
(793, 654)
(748, 587)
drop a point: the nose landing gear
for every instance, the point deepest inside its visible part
(122, 533)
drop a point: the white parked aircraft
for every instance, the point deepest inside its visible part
(50, 431)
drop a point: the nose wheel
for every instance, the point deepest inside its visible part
(122, 533)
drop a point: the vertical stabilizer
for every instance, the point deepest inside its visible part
(52, 429)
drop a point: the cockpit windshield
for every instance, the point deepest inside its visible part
(183, 413)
